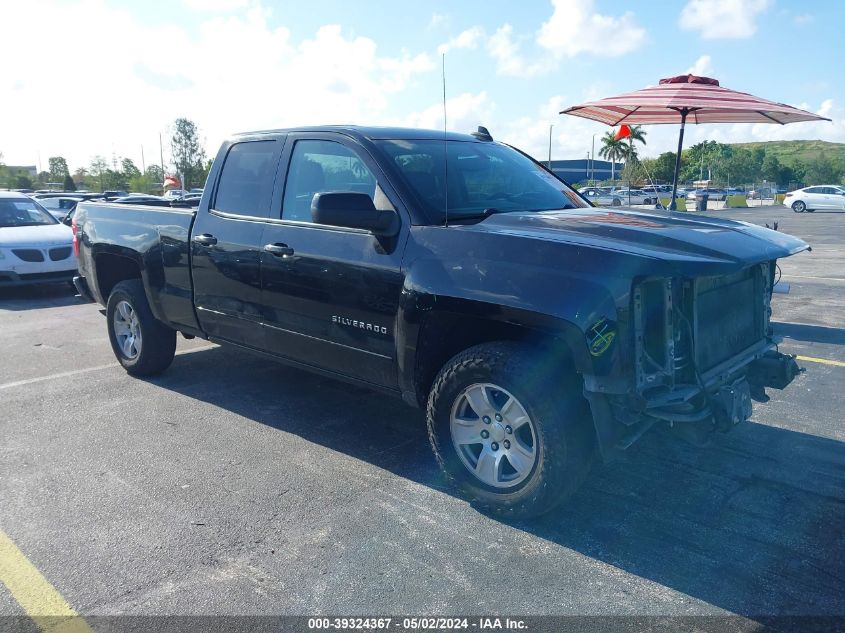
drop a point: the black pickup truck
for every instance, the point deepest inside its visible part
(459, 274)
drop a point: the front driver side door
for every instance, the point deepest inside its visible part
(330, 295)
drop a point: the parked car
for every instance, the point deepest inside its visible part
(59, 206)
(637, 196)
(821, 197)
(712, 193)
(603, 198)
(34, 246)
(764, 193)
(534, 329)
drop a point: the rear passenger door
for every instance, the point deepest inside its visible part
(226, 242)
(330, 295)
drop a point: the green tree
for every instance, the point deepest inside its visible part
(634, 173)
(129, 169)
(98, 169)
(612, 150)
(664, 167)
(637, 135)
(188, 153)
(823, 171)
(80, 178)
(58, 168)
(22, 181)
(68, 184)
(771, 169)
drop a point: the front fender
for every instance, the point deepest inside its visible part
(540, 301)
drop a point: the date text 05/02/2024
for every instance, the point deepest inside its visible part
(417, 623)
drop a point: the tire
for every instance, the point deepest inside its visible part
(127, 315)
(557, 421)
(616, 202)
(799, 207)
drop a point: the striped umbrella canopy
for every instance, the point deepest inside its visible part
(688, 98)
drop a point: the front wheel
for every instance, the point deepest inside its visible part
(514, 438)
(143, 345)
(616, 202)
(799, 207)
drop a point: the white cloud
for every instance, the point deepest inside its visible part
(439, 20)
(803, 19)
(464, 113)
(509, 59)
(702, 67)
(722, 19)
(575, 28)
(466, 39)
(261, 78)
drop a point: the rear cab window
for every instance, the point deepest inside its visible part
(245, 184)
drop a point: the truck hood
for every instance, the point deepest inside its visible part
(40, 235)
(658, 235)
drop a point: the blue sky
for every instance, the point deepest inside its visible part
(97, 77)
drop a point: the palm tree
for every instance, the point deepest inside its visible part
(629, 151)
(612, 150)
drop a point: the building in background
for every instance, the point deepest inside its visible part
(581, 170)
(25, 170)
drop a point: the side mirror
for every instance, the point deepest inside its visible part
(353, 210)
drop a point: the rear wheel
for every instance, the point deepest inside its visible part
(516, 440)
(799, 207)
(143, 345)
(616, 202)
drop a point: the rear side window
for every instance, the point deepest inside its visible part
(246, 181)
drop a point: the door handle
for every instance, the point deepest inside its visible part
(205, 239)
(279, 250)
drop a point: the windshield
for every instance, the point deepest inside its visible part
(23, 212)
(482, 178)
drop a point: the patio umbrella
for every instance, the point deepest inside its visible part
(688, 97)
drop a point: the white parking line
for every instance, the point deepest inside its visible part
(809, 277)
(76, 372)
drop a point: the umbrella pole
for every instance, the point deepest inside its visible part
(672, 205)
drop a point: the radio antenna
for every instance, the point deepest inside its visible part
(445, 146)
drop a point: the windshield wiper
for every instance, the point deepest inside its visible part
(474, 216)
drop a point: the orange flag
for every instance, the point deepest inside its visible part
(624, 131)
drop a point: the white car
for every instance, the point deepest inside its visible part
(821, 197)
(59, 207)
(34, 246)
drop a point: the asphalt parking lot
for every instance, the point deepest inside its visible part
(232, 485)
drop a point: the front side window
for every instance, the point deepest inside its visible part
(246, 181)
(23, 212)
(323, 167)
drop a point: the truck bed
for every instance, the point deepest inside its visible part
(156, 238)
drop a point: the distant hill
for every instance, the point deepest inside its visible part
(789, 152)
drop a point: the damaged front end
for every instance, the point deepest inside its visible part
(701, 349)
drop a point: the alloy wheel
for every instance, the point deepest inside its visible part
(493, 435)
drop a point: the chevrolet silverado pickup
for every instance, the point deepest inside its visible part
(459, 274)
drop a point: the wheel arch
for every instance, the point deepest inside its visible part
(461, 325)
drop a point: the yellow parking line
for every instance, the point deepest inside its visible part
(34, 593)
(823, 361)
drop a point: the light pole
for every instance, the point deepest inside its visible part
(550, 147)
(593, 162)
